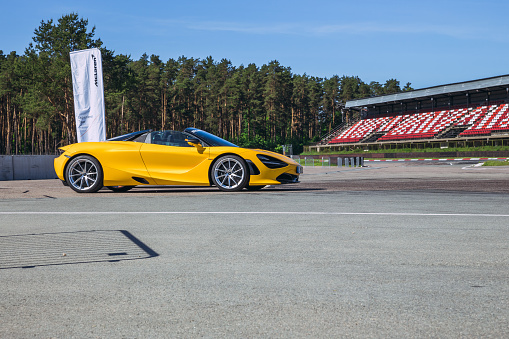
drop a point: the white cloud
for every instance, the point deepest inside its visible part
(245, 28)
(370, 27)
(454, 30)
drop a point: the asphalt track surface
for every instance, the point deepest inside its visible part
(392, 250)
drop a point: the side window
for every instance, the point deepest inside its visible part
(142, 138)
(156, 138)
(169, 138)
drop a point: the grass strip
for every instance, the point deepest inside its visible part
(496, 163)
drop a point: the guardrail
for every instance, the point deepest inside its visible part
(27, 167)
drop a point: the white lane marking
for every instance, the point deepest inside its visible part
(257, 212)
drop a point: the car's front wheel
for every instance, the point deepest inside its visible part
(230, 173)
(84, 174)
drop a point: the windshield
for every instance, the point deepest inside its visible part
(210, 139)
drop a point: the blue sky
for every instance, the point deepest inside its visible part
(426, 43)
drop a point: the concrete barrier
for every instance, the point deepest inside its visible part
(350, 162)
(27, 167)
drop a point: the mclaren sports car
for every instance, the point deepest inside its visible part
(192, 157)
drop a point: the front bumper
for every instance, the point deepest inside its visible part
(287, 178)
(261, 175)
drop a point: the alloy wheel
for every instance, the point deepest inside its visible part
(84, 174)
(229, 173)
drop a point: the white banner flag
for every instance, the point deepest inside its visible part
(88, 89)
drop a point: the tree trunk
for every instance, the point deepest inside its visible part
(163, 116)
(122, 116)
(8, 138)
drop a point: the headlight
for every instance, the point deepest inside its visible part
(271, 162)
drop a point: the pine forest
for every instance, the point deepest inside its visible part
(253, 106)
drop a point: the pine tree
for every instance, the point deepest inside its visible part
(330, 103)
(118, 80)
(51, 82)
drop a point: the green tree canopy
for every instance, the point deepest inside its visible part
(256, 106)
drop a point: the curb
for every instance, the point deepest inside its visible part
(456, 159)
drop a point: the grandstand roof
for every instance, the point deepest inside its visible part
(475, 85)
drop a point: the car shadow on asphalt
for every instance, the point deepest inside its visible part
(63, 248)
(208, 189)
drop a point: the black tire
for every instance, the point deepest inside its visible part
(84, 174)
(229, 173)
(254, 188)
(119, 189)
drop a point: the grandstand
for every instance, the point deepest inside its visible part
(470, 113)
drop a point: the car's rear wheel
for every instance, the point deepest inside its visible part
(84, 174)
(230, 173)
(119, 189)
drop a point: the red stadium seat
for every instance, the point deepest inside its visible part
(426, 124)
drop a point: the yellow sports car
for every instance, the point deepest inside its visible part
(193, 157)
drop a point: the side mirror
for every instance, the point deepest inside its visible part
(193, 142)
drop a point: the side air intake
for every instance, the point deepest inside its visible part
(141, 180)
